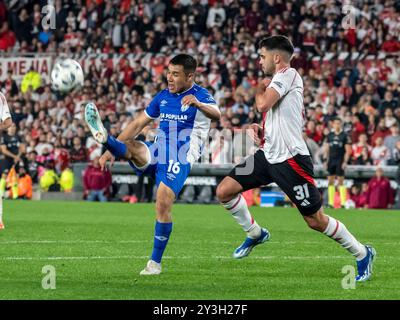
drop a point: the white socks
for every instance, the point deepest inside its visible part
(238, 208)
(338, 232)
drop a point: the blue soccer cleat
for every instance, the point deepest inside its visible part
(364, 266)
(248, 244)
(93, 120)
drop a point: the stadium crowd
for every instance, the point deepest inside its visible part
(349, 71)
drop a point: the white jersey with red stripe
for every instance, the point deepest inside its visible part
(4, 110)
(283, 123)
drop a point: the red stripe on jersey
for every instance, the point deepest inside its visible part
(295, 75)
(336, 229)
(264, 115)
(300, 170)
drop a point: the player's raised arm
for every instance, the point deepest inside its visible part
(266, 98)
(210, 110)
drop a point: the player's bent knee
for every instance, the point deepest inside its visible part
(312, 223)
(316, 221)
(224, 194)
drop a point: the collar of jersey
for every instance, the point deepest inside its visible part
(180, 93)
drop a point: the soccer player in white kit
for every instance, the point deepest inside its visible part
(283, 158)
(6, 122)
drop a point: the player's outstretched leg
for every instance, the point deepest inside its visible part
(93, 120)
(337, 231)
(228, 193)
(134, 151)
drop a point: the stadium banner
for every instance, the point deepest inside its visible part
(203, 174)
(21, 65)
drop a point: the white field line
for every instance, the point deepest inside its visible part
(147, 241)
(182, 258)
(166, 257)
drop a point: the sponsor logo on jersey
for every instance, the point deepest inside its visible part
(173, 117)
(184, 107)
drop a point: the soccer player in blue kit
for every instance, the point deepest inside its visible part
(185, 111)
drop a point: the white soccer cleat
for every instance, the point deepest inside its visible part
(93, 120)
(152, 268)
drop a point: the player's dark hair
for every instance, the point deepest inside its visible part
(277, 43)
(337, 119)
(187, 61)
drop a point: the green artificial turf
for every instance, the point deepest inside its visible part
(98, 250)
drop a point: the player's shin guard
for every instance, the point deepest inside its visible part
(116, 147)
(161, 237)
(338, 232)
(331, 195)
(343, 195)
(240, 212)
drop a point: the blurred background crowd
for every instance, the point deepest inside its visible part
(350, 65)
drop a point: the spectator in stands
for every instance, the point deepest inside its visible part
(390, 120)
(357, 196)
(380, 153)
(78, 152)
(388, 103)
(391, 141)
(380, 132)
(96, 182)
(361, 151)
(24, 184)
(10, 85)
(379, 194)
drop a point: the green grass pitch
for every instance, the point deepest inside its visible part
(98, 251)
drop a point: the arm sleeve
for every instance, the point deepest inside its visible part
(4, 109)
(282, 81)
(153, 109)
(205, 97)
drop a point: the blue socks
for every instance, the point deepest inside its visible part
(161, 237)
(116, 147)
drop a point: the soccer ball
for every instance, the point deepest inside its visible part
(66, 75)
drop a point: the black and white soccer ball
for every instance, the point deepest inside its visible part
(66, 75)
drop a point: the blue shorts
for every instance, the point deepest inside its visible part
(172, 174)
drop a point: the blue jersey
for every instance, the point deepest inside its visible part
(183, 129)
